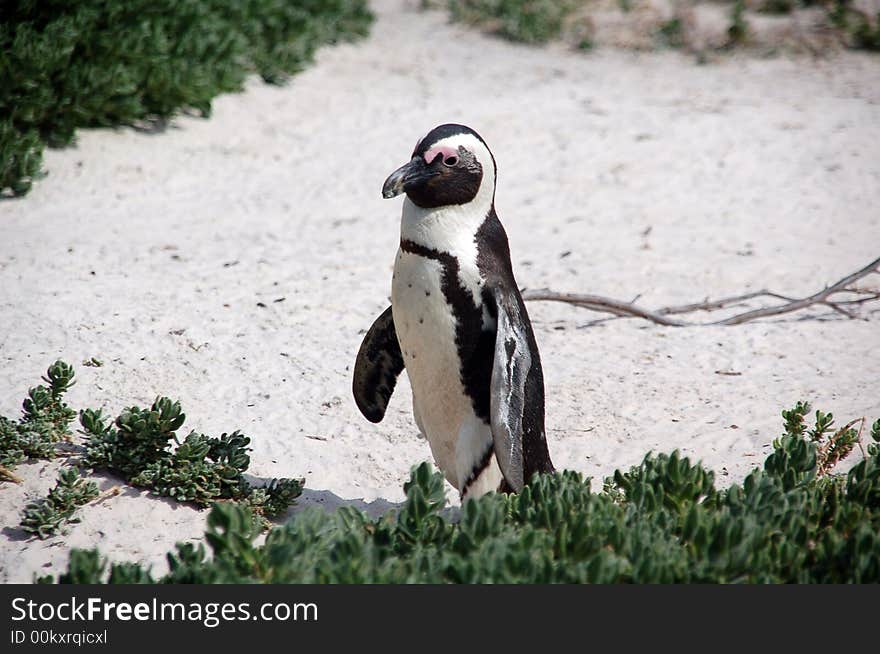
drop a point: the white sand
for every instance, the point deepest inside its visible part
(749, 173)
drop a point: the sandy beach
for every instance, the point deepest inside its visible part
(234, 263)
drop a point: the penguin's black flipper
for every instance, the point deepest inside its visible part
(378, 363)
(516, 402)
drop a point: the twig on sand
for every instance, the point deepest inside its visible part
(661, 316)
(8, 475)
(617, 308)
(859, 440)
(110, 492)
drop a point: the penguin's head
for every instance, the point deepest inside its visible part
(451, 165)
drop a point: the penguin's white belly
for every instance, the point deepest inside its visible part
(425, 326)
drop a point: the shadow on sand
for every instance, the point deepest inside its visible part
(326, 500)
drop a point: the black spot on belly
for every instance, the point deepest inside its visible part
(479, 465)
(476, 346)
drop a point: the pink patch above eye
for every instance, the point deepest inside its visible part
(446, 151)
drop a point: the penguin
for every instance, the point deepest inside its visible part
(457, 323)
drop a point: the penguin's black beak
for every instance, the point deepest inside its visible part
(412, 174)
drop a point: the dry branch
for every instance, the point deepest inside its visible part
(661, 316)
(110, 492)
(826, 461)
(7, 475)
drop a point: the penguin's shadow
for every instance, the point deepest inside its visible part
(328, 501)
(323, 499)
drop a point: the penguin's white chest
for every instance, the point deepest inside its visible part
(426, 329)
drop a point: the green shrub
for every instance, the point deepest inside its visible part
(538, 21)
(529, 21)
(44, 423)
(45, 517)
(142, 445)
(115, 62)
(777, 7)
(671, 33)
(21, 155)
(860, 30)
(662, 521)
(738, 31)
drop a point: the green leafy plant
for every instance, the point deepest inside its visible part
(539, 21)
(529, 21)
(860, 30)
(671, 33)
(45, 422)
(143, 446)
(116, 62)
(778, 7)
(21, 156)
(802, 454)
(45, 517)
(739, 27)
(662, 521)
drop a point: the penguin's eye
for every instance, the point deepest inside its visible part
(447, 155)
